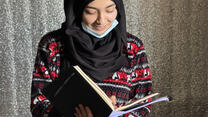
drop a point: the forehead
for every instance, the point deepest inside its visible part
(100, 3)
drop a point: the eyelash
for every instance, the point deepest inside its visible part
(91, 13)
(110, 11)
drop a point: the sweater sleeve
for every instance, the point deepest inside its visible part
(141, 84)
(46, 69)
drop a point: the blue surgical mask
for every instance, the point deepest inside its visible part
(94, 33)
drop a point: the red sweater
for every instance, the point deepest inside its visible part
(131, 82)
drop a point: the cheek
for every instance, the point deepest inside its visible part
(88, 20)
(112, 17)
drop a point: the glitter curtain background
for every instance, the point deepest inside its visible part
(175, 34)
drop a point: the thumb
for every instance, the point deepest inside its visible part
(113, 99)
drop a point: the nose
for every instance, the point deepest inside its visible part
(100, 19)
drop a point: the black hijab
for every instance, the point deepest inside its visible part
(99, 58)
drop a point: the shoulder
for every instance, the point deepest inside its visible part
(134, 43)
(50, 41)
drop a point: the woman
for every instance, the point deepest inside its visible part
(94, 37)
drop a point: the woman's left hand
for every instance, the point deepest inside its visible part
(82, 111)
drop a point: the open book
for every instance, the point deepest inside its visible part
(66, 93)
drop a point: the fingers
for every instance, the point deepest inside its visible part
(82, 111)
(78, 112)
(113, 99)
(89, 112)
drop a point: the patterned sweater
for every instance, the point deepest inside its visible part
(131, 82)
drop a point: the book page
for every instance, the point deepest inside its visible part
(119, 113)
(136, 102)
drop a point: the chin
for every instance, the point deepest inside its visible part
(100, 32)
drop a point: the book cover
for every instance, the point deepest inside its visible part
(66, 93)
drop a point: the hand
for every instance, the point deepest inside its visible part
(82, 111)
(113, 99)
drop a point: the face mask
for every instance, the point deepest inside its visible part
(94, 33)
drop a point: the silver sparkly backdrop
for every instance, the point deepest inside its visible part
(175, 34)
(23, 22)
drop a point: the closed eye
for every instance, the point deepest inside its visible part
(111, 8)
(90, 11)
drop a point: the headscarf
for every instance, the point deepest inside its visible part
(98, 58)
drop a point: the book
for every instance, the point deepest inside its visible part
(78, 88)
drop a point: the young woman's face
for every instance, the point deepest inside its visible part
(99, 15)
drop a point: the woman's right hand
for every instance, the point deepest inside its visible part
(82, 111)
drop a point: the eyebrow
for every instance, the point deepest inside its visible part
(96, 8)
